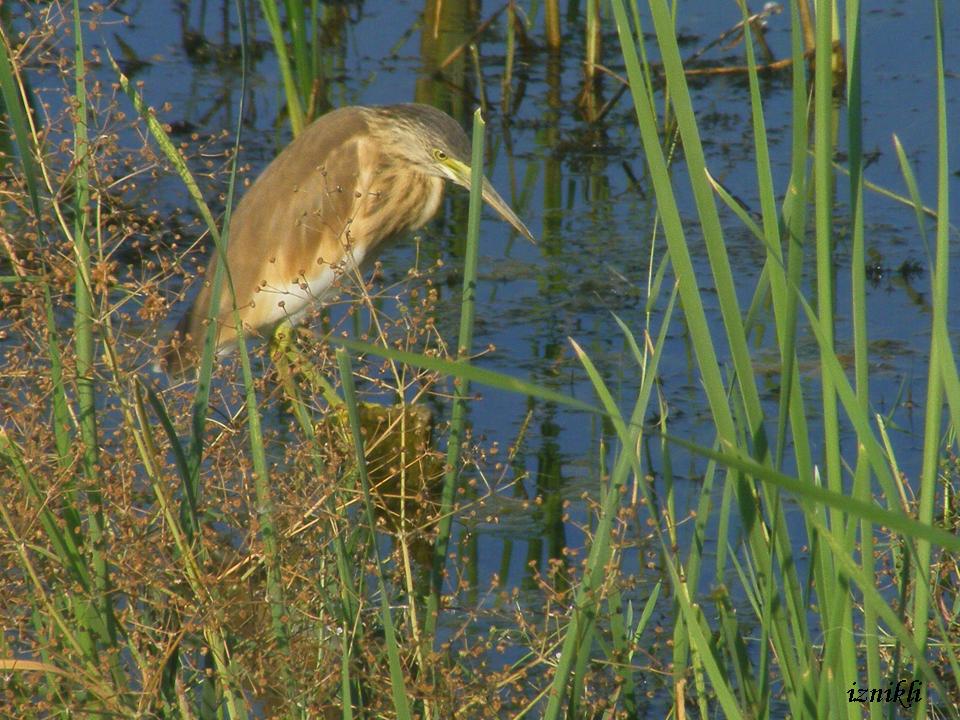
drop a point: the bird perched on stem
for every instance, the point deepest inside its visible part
(352, 179)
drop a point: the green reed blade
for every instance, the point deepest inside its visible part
(84, 345)
(939, 344)
(261, 474)
(458, 417)
(470, 374)
(271, 13)
(397, 682)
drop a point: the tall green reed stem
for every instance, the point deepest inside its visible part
(292, 68)
(397, 682)
(84, 342)
(461, 387)
(261, 475)
(940, 358)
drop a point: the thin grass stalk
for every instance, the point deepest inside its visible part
(318, 42)
(588, 637)
(791, 407)
(858, 263)
(806, 678)
(794, 221)
(346, 684)
(551, 21)
(785, 341)
(593, 39)
(805, 17)
(639, 44)
(296, 15)
(261, 475)
(462, 386)
(621, 626)
(642, 622)
(939, 348)
(474, 52)
(397, 682)
(271, 14)
(471, 374)
(621, 622)
(83, 301)
(834, 599)
(510, 51)
(84, 343)
(823, 220)
(695, 558)
(592, 43)
(785, 325)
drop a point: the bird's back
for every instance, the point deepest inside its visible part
(321, 207)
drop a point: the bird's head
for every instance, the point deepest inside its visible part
(435, 143)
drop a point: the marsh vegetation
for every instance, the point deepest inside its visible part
(694, 454)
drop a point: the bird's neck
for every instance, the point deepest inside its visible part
(431, 203)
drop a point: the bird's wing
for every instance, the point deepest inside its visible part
(290, 232)
(323, 205)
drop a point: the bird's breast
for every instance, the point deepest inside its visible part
(432, 197)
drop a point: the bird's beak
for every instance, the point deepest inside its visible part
(493, 199)
(461, 172)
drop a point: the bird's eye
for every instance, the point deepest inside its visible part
(440, 155)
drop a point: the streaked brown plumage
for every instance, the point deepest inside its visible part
(352, 179)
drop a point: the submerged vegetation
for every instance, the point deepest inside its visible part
(295, 532)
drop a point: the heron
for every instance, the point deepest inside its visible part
(352, 179)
